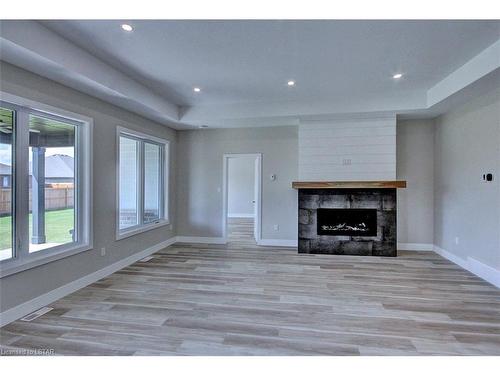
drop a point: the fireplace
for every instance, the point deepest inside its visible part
(347, 222)
(347, 217)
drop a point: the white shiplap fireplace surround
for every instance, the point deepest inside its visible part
(354, 149)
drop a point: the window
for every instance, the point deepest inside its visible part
(152, 182)
(45, 190)
(142, 171)
(7, 128)
(52, 183)
(129, 182)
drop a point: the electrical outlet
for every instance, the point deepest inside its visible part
(103, 251)
(457, 240)
(276, 227)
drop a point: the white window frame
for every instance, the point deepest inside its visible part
(164, 189)
(22, 259)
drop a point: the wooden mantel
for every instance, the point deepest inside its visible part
(348, 184)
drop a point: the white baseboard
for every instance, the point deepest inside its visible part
(451, 257)
(279, 243)
(241, 215)
(478, 268)
(223, 241)
(485, 272)
(36, 303)
(415, 246)
(205, 240)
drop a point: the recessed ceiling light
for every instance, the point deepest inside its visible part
(291, 83)
(127, 27)
(397, 76)
(196, 89)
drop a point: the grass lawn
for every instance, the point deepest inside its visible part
(57, 226)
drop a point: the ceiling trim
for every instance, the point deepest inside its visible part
(479, 66)
(198, 114)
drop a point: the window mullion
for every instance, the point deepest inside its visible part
(141, 179)
(78, 196)
(21, 173)
(161, 182)
(166, 181)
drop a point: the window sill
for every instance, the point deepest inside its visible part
(144, 228)
(12, 266)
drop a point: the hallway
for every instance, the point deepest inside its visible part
(240, 232)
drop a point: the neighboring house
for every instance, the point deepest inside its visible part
(5, 176)
(59, 169)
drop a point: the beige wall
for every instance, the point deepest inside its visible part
(467, 144)
(415, 164)
(200, 175)
(200, 158)
(23, 286)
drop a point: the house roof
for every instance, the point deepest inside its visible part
(4, 168)
(58, 166)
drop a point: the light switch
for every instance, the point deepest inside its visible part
(488, 177)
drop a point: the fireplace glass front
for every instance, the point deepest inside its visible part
(347, 222)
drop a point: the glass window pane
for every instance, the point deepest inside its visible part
(6, 183)
(129, 149)
(52, 171)
(152, 180)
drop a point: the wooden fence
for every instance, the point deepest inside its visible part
(56, 198)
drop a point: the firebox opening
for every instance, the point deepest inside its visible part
(347, 222)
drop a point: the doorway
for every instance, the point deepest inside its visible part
(242, 191)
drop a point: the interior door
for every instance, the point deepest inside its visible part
(256, 218)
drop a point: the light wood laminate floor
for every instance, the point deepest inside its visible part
(244, 300)
(240, 232)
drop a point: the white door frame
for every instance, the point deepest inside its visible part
(258, 202)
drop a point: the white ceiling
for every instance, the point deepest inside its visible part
(251, 61)
(340, 67)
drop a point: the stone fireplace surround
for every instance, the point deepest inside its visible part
(348, 195)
